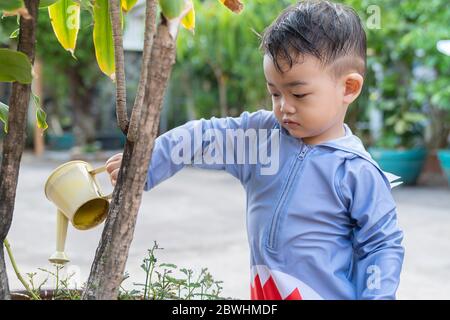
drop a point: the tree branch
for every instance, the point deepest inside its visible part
(121, 96)
(15, 139)
(150, 29)
(112, 252)
(110, 259)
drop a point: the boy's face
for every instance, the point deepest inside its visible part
(307, 100)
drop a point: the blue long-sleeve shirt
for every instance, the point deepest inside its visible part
(321, 219)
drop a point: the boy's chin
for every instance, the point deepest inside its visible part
(301, 134)
(297, 133)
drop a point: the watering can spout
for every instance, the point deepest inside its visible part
(59, 257)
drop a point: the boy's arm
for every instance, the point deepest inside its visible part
(378, 253)
(193, 142)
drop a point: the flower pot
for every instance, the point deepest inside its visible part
(444, 159)
(404, 163)
(61, 142)
(111, 141)
(46, 294)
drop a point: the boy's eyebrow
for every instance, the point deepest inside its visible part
(291, 84)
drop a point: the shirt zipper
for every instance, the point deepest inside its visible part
(271, 244)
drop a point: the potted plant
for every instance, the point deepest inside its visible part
(398, 145)
(411, 81)
(436, 97)
(444, 154)
(400, 148)
(63, 141)
(59, 136)
(444, 159)
(111, 140)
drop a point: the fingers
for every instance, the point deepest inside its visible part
(113, 163)
(114, 176)
(114, 158)
(112, 167)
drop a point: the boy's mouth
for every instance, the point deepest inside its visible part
(290, 122)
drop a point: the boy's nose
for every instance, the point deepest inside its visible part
(286, 107)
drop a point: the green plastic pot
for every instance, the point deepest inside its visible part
(404, 163)
(61, 142)
(444, 159)
(112, 141)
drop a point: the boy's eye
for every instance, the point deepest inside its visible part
(300, 96)
(275, 95)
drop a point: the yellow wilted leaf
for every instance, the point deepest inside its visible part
(103, 38)
(127, 5)
(234, 5)
(65, 19)
(41, 118)
(189, 20)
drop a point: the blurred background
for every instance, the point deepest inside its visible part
(402, 116)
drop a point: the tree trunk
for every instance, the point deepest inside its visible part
(440, 129)
(15, 139)
(111, 256)
(222, 84)
(186, 85)
(223, 99)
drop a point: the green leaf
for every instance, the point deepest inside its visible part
(11, 5)
(414, 117)
(171, 8)
(14, 66)
(391, 120)
(14, 7)
(65, 20)
(168, 265)
(41, 118)
(103, 38)
(400, 127)
(4, 110)
(36, 100)
(175, 280)
(46, 3)
(14, 34)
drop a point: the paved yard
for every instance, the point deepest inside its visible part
(198, 217)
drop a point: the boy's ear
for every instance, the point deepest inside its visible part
(353, 83)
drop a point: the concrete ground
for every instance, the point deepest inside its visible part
(198, 217)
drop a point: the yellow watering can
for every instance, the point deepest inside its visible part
(72, 187)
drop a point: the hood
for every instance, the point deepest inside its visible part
(351, 143)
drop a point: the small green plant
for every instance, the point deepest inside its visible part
(167, 281)
(164, 281)
(61, 290)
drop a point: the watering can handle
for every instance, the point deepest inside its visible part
(100, 170)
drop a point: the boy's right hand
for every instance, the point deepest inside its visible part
(112, 167)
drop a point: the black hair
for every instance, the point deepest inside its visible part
(323, 29)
